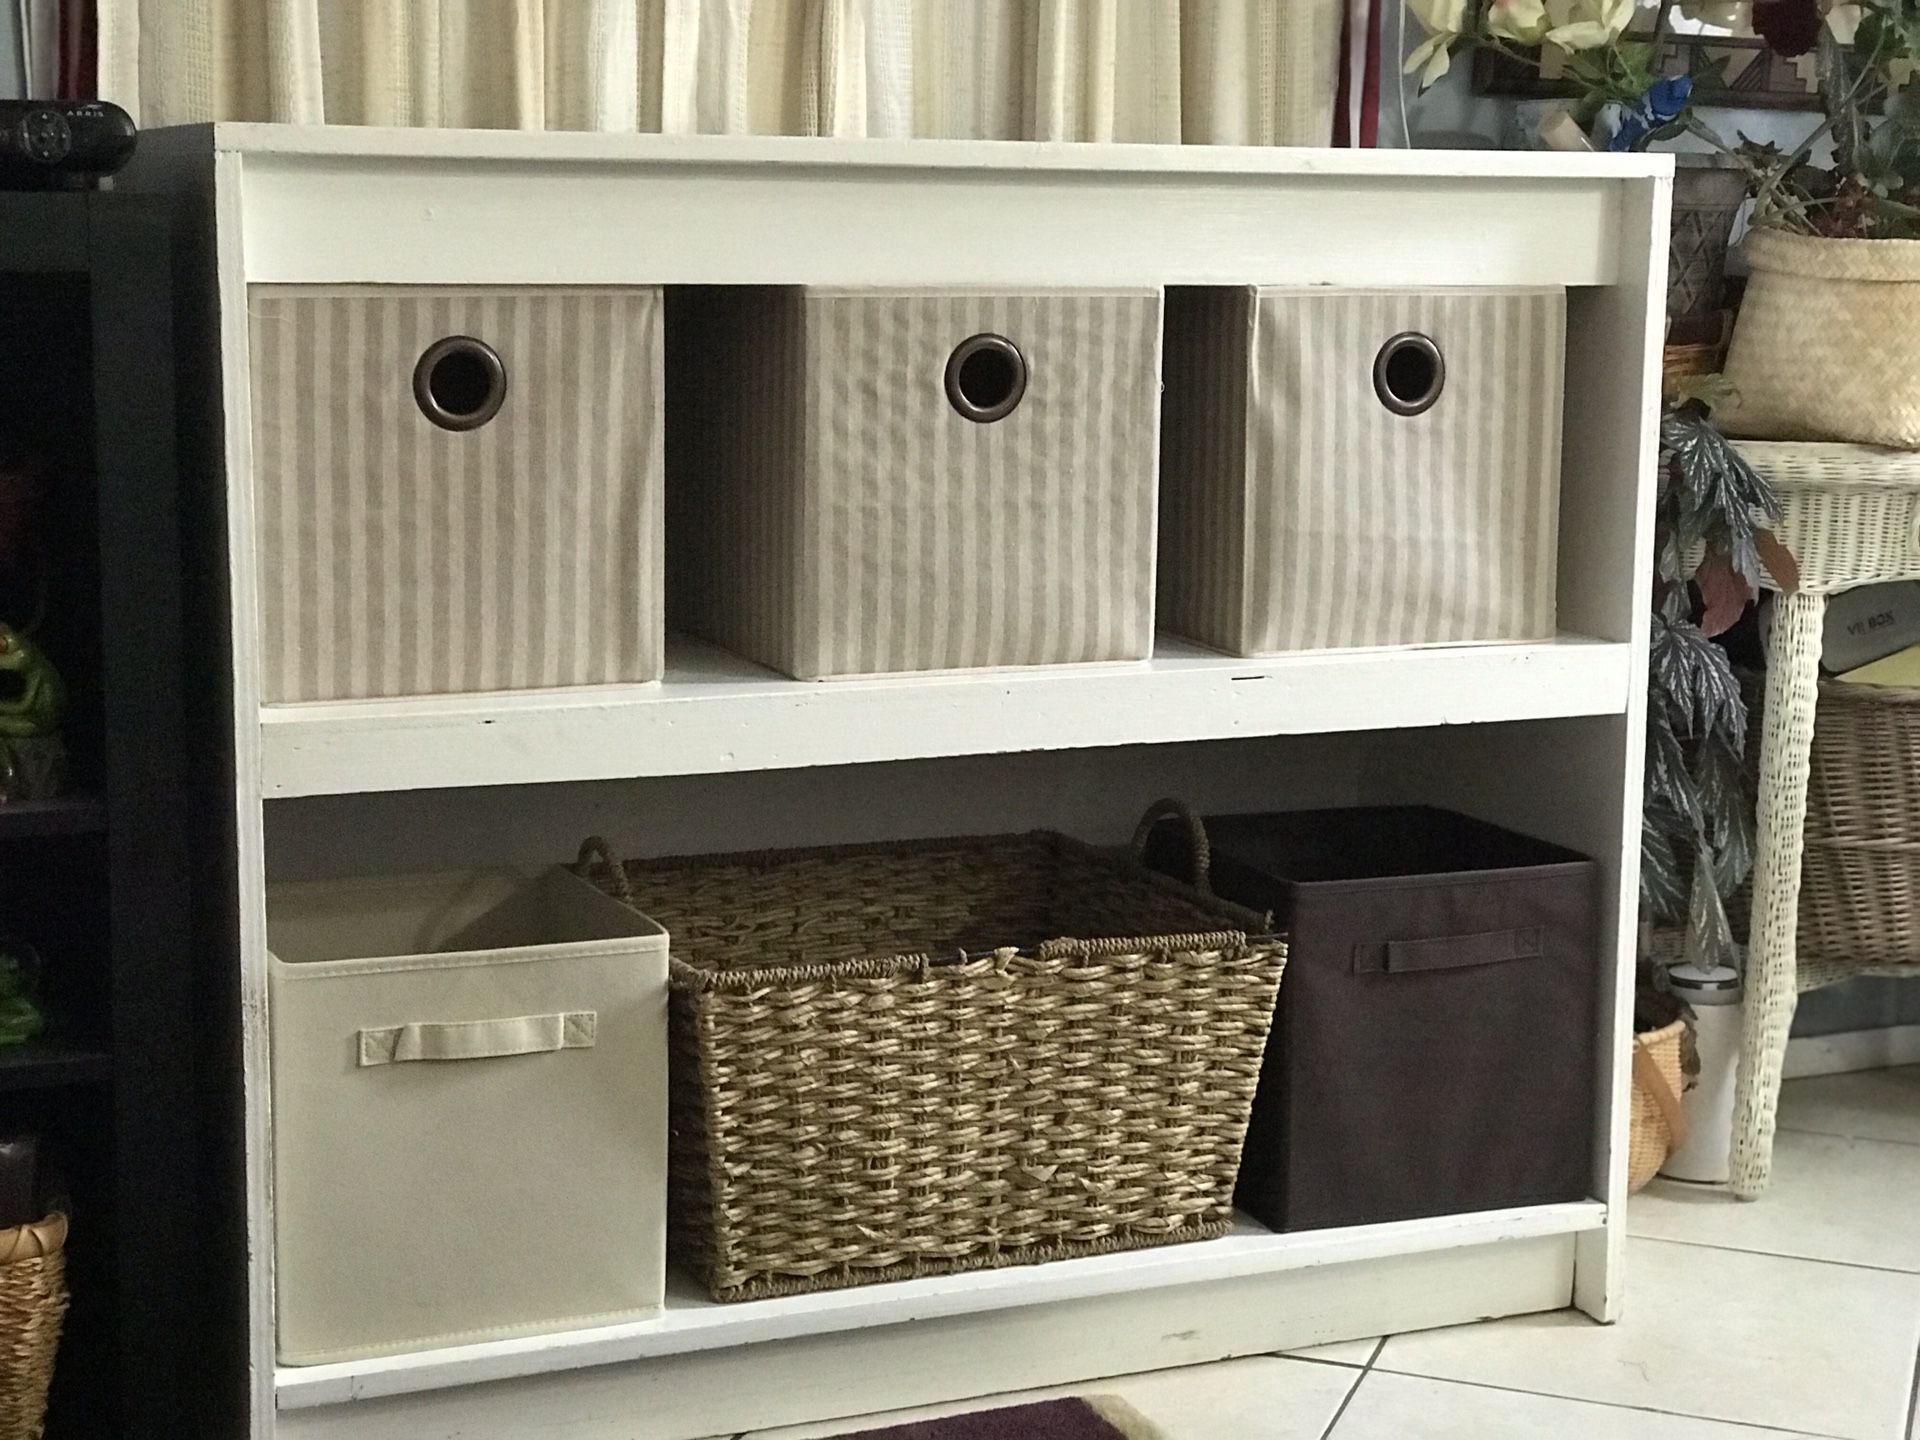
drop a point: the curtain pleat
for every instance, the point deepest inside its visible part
(1207, 71)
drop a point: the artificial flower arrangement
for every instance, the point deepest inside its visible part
(1867, 51)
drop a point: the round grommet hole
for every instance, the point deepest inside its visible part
(459, 383)
(1409, 373)
(986, 378)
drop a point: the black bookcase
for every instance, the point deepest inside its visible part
(98, 880)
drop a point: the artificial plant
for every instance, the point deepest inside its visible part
(1867, 188)
(1697, 822)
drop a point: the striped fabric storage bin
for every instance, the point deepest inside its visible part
(869, 482)
(1345, 468)
(456, 489)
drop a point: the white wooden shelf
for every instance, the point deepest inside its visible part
(716, 713)
(694, 1323)
(353, 205)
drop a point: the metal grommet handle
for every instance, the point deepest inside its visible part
(1409, 373)
(986, 378)
(459, 383)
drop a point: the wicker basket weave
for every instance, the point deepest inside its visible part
(1659, 1122)
(883, 1065)
(1860, 869)
(33, 1304)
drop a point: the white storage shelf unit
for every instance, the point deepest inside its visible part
(1545, 737)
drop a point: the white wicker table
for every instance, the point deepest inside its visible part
(1851, 517)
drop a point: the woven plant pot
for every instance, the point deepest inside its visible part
(1707, 196)
(1825, 347)
(33, 1304)
(884, 1065)
(1659, 1123)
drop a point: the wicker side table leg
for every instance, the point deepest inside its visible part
(1793, 679)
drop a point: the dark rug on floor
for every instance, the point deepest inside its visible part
(1095, 1417)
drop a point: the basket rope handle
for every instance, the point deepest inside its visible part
(1170, 809)
(1646, 1074)
(595, 848)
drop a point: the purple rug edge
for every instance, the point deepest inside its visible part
(1075, 1418)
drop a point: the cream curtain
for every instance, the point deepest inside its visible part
(1211, 71)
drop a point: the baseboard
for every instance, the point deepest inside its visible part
(1849, 1050)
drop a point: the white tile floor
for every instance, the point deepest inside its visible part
(1795, 1316)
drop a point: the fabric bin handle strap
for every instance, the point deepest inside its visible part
(478, 1039)
(1450, 952)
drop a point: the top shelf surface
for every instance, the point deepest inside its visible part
(715, 713)
(369, 142)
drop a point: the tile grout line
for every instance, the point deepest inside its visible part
(1913, 1401)
(1606, 1404)
(1850, 1139)
(1345, 1401)
(1354, 1389)
(1778, 1255)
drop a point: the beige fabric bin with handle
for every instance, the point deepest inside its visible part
(469, 1111)
(877, 481)
(1360, 468)
(457, 489)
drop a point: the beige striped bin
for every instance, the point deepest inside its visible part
(1346, 469)
(456, 489)
(870, 481)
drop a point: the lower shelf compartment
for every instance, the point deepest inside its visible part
(691, 1323)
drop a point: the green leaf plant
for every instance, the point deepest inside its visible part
(1711, 541)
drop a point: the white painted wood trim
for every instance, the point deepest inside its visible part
(369, 143)
(1622, 430)
(244, 618)
(689, 220)
(1847, 1051)
(693, 1323)
(715, 713)
(817, 1377)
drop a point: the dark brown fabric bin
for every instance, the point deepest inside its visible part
(1433, 1047)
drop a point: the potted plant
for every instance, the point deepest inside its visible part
(1824, 345)
(1711, 541)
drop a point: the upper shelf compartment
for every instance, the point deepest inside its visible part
(715, 713)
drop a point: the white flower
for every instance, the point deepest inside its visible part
(1522, 21)
(1844, 20)
(1443, 20)
(1587, 24)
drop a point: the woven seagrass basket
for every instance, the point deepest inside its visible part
(887, 1062)
(33, 1305)
(1658, 1125)
(1823, 348)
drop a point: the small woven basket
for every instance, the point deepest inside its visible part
(884, 1064)
(1659, 1122)
(33, 1305)
(1860, 869)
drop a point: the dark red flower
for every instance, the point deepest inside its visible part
(1790, 27)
